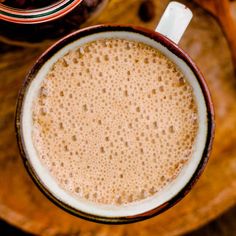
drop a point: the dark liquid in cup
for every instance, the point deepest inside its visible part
(28, 4)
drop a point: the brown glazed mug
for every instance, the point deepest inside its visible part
(165, 39)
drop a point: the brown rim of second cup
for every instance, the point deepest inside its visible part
(38, 15)
(171, 47)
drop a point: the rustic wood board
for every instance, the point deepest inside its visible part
(23, 205)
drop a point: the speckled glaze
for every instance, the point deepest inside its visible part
(171, 47)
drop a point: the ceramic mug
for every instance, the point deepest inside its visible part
(168, 33)
(55, 20)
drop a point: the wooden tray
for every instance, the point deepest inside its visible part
(23, 205)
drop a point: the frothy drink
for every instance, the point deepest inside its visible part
(114, 122)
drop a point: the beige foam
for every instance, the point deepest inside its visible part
(115, 121)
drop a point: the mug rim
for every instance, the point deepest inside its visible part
(38, 15)
(171, 46)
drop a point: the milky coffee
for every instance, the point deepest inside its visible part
(115, 121)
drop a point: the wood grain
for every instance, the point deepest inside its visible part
(221, 10)
(23, 205)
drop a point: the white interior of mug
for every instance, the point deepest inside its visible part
(134, 208)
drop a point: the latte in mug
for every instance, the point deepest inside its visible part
(114, 122)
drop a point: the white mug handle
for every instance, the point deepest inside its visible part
(174, 21)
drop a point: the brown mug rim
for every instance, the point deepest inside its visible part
(171, 46)
(39, 15)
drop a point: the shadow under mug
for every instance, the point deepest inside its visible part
(175, 13)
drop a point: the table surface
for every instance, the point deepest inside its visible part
(223, 225)
(23, 205)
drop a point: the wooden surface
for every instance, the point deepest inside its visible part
(221, 10)
(224, 225)
(23, 205)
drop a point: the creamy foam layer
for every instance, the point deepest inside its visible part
(114, 122)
